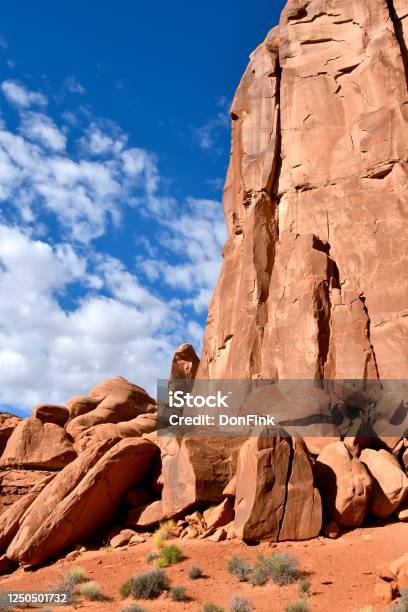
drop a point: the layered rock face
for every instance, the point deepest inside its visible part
(313, 283)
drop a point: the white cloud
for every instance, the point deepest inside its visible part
(72, 85)
(71, 316)
(206, 134)
(42, 129)
(20, 96)
(196, 236)
(49, 354)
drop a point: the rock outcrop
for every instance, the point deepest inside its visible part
(312, 284)
(81, 499)
(275, 494)
(8, 423)
(185, 363)
(34, 444)
(121, 401)
(345, 485)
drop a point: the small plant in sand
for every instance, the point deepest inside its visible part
(178, 593)
(163, 533)
(169, 555)
(194, 572)
(281, 567)
(152, 556)
(239, 568)
(299, 605)
(241, 604)
(91, 590)
(133, 608)
(259, 575)
(304, 587)
(75, 575)
(367, 609)
(212, 607)
(5, 605)
(147, 585)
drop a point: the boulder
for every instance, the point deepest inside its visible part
(275, 496)
(384, 592)
(390, 484)
(15, 483)
(8, 423)
(196, 470)
(34, 444)
(51, 413)
(185, 363)
(344, 484)
(122, 538)
(82, 499)
(12, 517)
(82, 404)
(145, 516)
(122, 401)
(135, 428)
(218, 516)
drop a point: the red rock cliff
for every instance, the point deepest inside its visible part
(314, 278)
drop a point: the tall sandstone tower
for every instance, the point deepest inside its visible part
(315, 278)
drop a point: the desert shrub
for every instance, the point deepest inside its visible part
(281, 567)
(299, 605)
(169, 555)
(194, 572)
(75, 575)
(178, 593)
(239, 568)
(147, 585)
(65, 586)
(259, 575)
(151, 556)
(133, 608)
(163, 533)
(91, 590)
(304, 587)
(212, 607)
(241, 604)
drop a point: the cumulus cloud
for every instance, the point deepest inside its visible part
(49, 353)
(86, 192)
(20, 96)
(73, 313)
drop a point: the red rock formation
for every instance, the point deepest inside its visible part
(185, 363)
(313, 282)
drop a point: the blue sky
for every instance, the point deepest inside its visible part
(114, 143)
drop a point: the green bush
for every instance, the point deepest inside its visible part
(299, 605)
(239, 568)
(169, 555)
(147, 585)
(133, 608)
(241, 604)
(212, 607)
(178, 593)
(194, 572)
(259, 575)
(91, 590)
(152, 556)
(281, 567)
(163, 533)
(75, 575)
(304, 587)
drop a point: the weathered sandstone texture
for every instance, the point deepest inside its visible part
(313, 282)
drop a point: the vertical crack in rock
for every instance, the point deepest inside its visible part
(399, 34)
(288, 477)
(368, 331)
